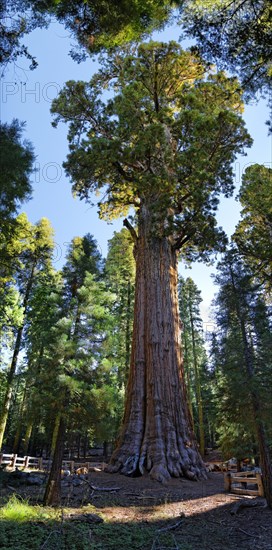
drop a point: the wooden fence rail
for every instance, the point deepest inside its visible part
(238, 483)
(13, 460)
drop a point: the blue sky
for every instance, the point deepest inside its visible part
(27, 95)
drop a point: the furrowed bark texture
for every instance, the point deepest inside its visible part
(157, 433)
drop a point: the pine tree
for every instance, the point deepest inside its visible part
(120, 278)
(44, 312)
(253, 234)
(194, 354)
(16, 166)
(33, 259)
(238, 304)
(74, 350)
(13, 245)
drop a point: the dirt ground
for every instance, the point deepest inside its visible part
(197, 515)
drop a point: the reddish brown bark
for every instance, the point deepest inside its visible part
(157, 434)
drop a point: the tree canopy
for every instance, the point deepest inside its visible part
(236, 34)
(165, 132)
(254, 231)
(18, 18)
(16, 165)
(103, 24)
(95, 24)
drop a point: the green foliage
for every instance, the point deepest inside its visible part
(12, 244)
(24, 267)
(95, 24)
(25, 252)
(166, 137)
(17, 20)
(132, 536)
(237, 34)
(83, 257)
(120, 263)
(242, 359)
(234, 439)
(18, 510)
(69, 321)
(16, 166)
(103, 24)
(29, 527)
(120, 278)
(253, 232)
(195, 360)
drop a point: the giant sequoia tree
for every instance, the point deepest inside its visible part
(162, 140)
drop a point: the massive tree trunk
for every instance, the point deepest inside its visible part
(157, 433)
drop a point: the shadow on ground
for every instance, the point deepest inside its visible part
(140, 514)
(212, 530)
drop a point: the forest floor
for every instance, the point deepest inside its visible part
(113, 512)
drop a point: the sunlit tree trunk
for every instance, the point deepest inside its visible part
(55, 435)
(52, 495)
(28, 434)
(18, 433)
(157, 435)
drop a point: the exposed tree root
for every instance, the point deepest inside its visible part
(161, 471)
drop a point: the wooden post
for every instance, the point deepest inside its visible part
(40, 463)
(1, 458)
(227, 482)
(26, 461)
(13, 460)
(72, 466)
(260, 484)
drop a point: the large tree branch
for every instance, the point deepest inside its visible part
(180, 203)
(131, 229)
(122, 171)
(181, 241)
